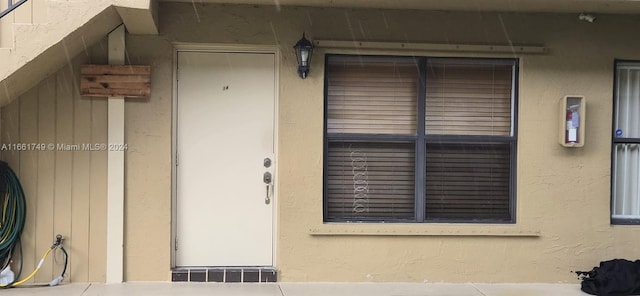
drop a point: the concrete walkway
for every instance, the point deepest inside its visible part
(301, 289)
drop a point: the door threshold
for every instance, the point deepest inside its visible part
(225, 274)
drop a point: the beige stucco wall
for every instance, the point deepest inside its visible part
(562, 194)
(148, 166)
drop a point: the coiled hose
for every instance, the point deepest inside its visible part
(14, 212)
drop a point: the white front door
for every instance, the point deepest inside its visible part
(225, 131)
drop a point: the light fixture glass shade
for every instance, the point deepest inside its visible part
(304, 57)
(304, 51)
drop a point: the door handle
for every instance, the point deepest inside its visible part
(267, 178)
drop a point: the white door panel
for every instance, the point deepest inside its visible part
(225, 129)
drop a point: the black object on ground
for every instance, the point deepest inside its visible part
(617, 277)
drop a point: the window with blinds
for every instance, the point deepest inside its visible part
(466, 98)
(419, 139)
(625, 177)
(372, 96)
(468, 181)
(371, 180)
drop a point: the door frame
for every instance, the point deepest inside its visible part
(222, 48)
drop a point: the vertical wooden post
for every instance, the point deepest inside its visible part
(115, 171)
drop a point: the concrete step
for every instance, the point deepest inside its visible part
(5, 54)
(63, 18)
(72, 10)
(57, 20)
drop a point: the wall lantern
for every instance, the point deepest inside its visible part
(304, 49)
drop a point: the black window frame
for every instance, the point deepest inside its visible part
(618, 140)
(421, 139)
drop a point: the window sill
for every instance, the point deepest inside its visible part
(348, 229)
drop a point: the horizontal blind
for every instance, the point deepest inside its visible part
(370, 181)
(626, 187)
(371, 95)
(468, 181)
(468, 98)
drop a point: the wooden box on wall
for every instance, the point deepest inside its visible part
(133, 81)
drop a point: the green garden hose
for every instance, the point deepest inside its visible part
(14, 212)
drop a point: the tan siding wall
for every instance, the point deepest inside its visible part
(65, 190)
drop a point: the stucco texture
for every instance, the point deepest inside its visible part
(148, 166)
(562, 193)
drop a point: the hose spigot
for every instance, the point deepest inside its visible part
(58, 241)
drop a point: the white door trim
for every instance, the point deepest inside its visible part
(222, 48)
